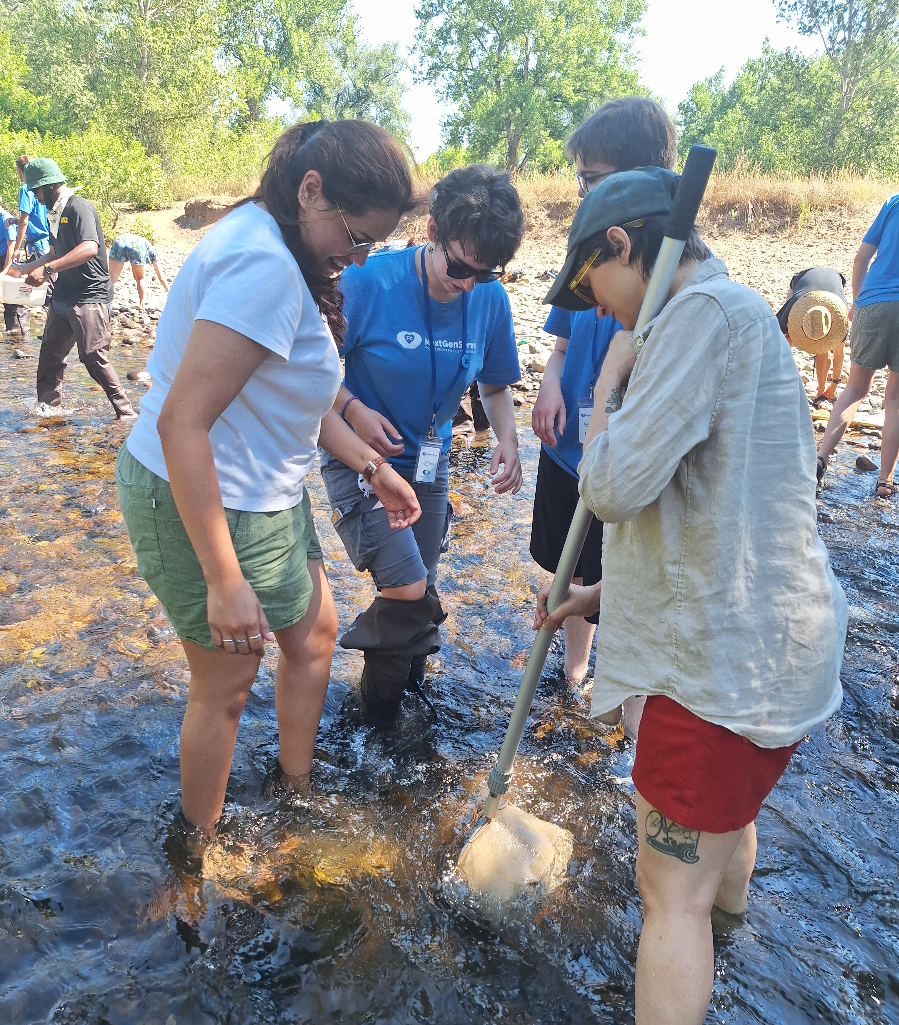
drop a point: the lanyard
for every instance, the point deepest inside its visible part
(597, 366)
(466, 359)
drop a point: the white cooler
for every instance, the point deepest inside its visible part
(16, 292)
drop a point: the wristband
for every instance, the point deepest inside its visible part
(352, 398)
(368, 471)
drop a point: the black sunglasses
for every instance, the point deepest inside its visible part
(461, 271)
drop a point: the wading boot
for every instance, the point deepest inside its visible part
(392, 634)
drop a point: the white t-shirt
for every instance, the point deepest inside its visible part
(242, 275)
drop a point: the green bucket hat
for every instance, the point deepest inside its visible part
(43, 171)
(622, 197)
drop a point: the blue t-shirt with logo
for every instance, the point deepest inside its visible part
(388, 354)
(882, 280)
(37, 228)
(588, 342)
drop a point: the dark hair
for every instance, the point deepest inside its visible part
(362, 169)
(646, 241)
(626, 133)
(23, 160)
(480, 209)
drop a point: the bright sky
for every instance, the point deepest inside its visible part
(685, 40)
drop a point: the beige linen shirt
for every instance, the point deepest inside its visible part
(717, 590)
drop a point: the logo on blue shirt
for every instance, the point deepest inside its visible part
(409, 339)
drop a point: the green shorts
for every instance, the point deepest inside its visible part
(272, 549)
(875, 336)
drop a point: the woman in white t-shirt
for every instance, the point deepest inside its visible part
(210, 480)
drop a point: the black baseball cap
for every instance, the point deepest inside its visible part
(622, 197)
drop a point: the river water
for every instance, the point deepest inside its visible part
(332, 910)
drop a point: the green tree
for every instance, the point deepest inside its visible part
(778, 116)
(860, 40)
(521, 74)
(365, 82)
(19, 109)
(276, 47)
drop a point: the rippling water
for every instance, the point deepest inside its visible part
(331, 910)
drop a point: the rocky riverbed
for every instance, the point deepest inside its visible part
(765, 262)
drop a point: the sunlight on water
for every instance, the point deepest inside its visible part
(333, 908)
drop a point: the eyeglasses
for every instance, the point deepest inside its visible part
(581, 288)
(587, 181)
(356, 248)
(461, 271)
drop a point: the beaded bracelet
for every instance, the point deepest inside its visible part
(352, 398)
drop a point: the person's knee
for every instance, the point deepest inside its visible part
(662, 898)
(406, 592)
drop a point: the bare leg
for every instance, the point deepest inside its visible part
(822, 369)
(219, 686)
(304, 669)
(679, 873)
(578, 641)
(890, 442)
(845, 408)
(838, 351)
(734, 888)
(115, 269)
(138, 271)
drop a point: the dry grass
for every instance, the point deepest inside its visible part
(747, 200)
(740, 200)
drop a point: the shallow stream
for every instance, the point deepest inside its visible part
(331, 910)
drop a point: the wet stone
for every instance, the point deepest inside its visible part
(865, 463)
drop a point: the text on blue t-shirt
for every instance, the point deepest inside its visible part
(388, 355)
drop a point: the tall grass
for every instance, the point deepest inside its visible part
(741, 199)
(747, 199)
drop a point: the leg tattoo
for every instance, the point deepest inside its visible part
(669, 838)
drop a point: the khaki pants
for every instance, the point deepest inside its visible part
(86, 326)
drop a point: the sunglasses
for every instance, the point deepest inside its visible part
(587, 181)
(582, 288)
(461, 271)
(355, 248)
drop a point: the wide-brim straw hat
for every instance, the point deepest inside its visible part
(816, 316)
(817, 322)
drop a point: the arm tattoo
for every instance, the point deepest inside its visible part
(670, 838)
(614, 403)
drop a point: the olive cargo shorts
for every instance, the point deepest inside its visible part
(272, 549)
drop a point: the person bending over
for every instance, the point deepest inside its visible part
(718, 599)
(211, 478)
(422, 324)
(139, 252)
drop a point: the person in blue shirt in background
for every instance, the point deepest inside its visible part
(34, 231)
(15, 318)
(423, 323)
(623, 134)
(874, 343)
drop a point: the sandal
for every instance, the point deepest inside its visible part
(822, 402)
(820, 468)
(887, 485)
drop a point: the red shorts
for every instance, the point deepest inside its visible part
(701, 775)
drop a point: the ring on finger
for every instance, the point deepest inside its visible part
(243, 640)
(227, 640)
(256, 637)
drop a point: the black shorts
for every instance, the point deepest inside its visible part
(555, 499)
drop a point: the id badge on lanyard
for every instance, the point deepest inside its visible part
(584, 412)
(429, 450)
(429, 445)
